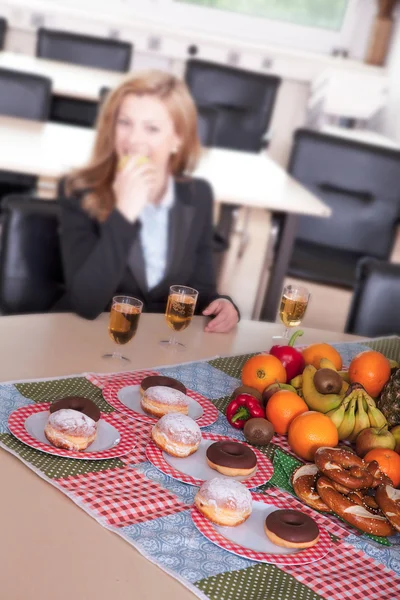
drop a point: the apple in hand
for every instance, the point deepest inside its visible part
(374, 437)
(395, 431)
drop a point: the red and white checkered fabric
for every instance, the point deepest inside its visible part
(348, 574)
(321, 548)
(264, 471)
(16, 425)
(130, 377)
(142, 432)
(122, 496)
(114, 384)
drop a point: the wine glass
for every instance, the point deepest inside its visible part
(179, 312)
(294, 302)
(124, 320)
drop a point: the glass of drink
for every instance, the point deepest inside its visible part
(179, 312)
(124, 320)
(293, 307)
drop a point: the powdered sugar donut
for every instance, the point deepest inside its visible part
(161, 400)
(224, 501)
(70, 429)
(177, 434)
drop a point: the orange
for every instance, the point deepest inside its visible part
(262, 370)
(282, 408)
(371, 369)
(311, 431)
(313, 354)
(388, 461)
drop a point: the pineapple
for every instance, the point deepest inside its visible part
(389, 400)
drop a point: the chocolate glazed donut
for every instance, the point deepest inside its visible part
(291, 529)
(157, 380)
(231, 458)
(78, 403)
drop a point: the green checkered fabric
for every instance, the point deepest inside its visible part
(390, 347)
(232, 365)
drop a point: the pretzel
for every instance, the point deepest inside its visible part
(379, 477)
(304, 484)
(388, 499)
(344, 467)
(355, 514)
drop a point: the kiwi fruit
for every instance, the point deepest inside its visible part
(258, 432)
(246, 389)
(327, 381)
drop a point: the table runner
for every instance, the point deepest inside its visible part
(151, 511)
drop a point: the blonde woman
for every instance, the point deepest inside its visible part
(131, 221)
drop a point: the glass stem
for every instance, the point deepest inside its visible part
(286, 333)
(172, 340)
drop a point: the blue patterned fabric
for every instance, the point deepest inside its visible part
(10, 400)
(203, 378)
(197, 557)
(388, 555)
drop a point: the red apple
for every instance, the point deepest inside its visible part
(374, 437)
(395, 431)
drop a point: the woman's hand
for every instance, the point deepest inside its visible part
(133, 187)
(226, 316)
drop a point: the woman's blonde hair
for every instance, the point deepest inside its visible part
(97, 177)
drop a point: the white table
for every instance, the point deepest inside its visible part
(56, 544)
(50, 150)
(74, 81)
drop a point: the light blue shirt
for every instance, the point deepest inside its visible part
(154, 236)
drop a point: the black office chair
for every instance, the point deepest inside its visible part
(84, 50)
(24, 96)
(237, 104)
(361, 184)
(374, 309)
(3, 30)
(31, 273)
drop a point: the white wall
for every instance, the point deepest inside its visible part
(391, 117)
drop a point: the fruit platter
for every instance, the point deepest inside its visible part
(342, 422)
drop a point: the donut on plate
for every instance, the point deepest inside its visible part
(70, 429)
(291, 529)
(79, 403)
(304, 483)
(177, 434)
(156, 380)
(224, 501)
(231, 458)
(360, 516)
(388, 499)
(160, 400)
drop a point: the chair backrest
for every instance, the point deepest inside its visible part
(361, 184)
(31, 273)
(374, 309)
(24, 95)
(85, 50)
(3, 29)
(235, 106)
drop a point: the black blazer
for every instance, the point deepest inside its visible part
(96, 255)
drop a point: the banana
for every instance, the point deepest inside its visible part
(362, 420)
(325, 363)
(344, 375)
(314, 400)
(337, 414)
(347, 425)
(376, 418)
(297, 382)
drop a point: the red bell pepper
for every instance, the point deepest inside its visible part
(242, 408)
(291, 358)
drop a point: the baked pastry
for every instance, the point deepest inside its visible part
(224, 501)
(69, 429)
(176, 434)
(291, 529)
(79, 403)
(304, 483)
(156, 380)
(160, 400)
(231, 458)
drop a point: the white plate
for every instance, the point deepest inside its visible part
(196, 465)
(251, 533)
(130, 397)
(107, 436)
